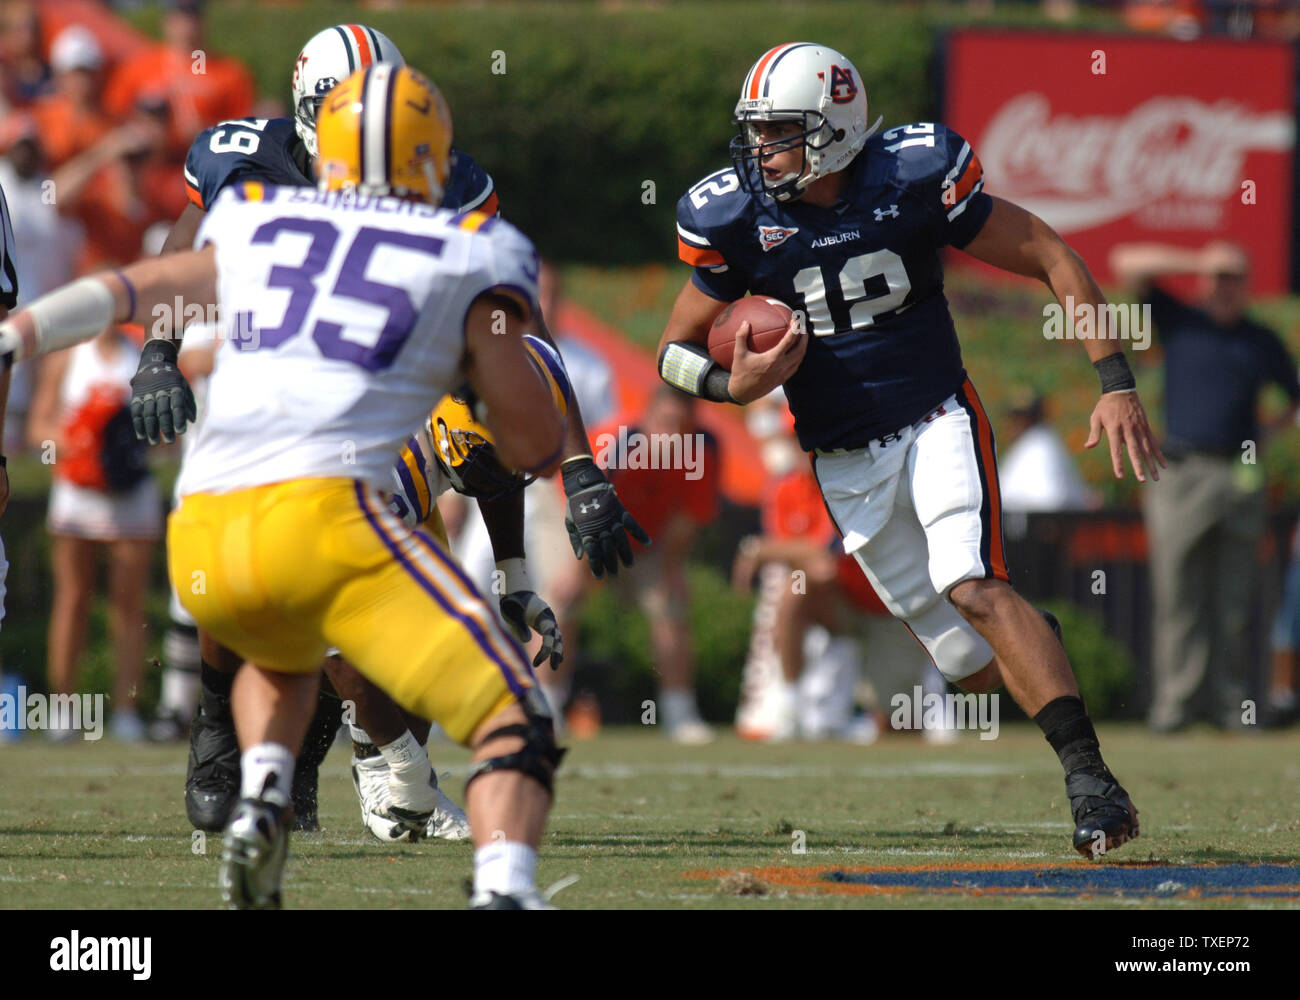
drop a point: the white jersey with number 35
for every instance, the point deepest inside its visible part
(343, 320)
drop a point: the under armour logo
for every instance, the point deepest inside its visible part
(881, 213)
(583, 508)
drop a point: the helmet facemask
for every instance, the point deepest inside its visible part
(304, 120)
(469, 460)
(748, 150)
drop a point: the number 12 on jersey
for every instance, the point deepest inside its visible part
(870, 285)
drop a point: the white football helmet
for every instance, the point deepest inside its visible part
(328, 58)
(815, 86)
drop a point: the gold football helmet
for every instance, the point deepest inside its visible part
(385, 130)
(464, 446)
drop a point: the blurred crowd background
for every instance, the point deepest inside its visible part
(590, 143)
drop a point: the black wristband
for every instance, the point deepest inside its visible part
(1114, 372)
(4, 462)
(580, 472)
(717, 386)
(158, 350)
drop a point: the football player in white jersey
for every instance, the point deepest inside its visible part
(347, 310)
(281, 151)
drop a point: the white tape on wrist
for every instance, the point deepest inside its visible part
(69, 316)
(685, 369)
(515, 575)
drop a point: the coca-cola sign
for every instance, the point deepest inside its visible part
(1112, 139)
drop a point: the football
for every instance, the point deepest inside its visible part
(768, 320)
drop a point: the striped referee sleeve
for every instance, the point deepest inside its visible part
(8, 275)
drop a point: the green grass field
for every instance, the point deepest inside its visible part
(645, 824)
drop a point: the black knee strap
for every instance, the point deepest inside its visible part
(538, 757)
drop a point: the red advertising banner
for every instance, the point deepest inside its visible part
(1113, 138)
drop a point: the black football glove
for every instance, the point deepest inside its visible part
(597, 521)
(162, 403)
(523, 610)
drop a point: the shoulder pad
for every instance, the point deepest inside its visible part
(470, 187)
(705, 212)
(920, 155)
(236, 149)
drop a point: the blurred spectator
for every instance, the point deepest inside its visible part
(1282, 703)
(1205, 517)
(103, 500)
(8, 299)
(118, 189)
(71, 119)
(199, 88)
(24, 73)
(1036, 471)
(1180, 18)
(672, 495)
(36, 223)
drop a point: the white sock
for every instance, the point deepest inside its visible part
(267, 773)
(505, 866)
(358, 734)
(678, 705)
(408, 772)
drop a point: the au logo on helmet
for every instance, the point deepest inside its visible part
(843, 87)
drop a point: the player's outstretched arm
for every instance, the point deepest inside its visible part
(529, 431)
(1018, 241)
(145, 292)
(597, 522)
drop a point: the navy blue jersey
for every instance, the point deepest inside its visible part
(866, 274)
(269, 150)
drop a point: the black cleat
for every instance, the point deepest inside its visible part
(306, 772)
(212, 776)
(1104, 815)
(1053, 624)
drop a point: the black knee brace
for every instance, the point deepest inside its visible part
(538, 757)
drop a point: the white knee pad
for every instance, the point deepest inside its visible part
(956, 648)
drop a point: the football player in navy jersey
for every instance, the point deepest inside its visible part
(281, 151)
(845, 226)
